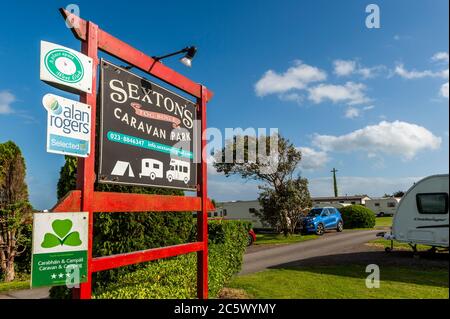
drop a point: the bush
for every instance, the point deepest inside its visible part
(357, 216)
(176, 277)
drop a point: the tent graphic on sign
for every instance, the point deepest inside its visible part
(121, 168)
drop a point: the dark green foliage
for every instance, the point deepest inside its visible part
(281, 209)
(176, 277)
(15, 210)
(357, 216)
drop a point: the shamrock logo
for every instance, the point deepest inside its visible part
(61, 227)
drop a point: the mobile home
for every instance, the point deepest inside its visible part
(422, 214)
(241, 210)
(383, 206)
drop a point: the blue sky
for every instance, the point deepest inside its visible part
(371, 102)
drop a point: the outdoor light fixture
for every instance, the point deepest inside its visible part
(186, 60)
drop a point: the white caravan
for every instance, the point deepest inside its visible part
(179, 171)
(422, 214)
(383, 206)
(151, 168)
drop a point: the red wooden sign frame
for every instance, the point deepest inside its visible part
(87, 200)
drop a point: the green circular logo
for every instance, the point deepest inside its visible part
(64, 65)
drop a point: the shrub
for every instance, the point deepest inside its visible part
(176, 277)
(357, 216)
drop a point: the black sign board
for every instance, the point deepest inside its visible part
(147, 133)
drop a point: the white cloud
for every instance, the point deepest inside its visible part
(312, 159)
(296, 77)
(441, 57)
(6, 99)
(349, 67)
(344, 67)
(350, 185)
(394, 138)
(351, 93)
(414, 74)
(444, 90)
(210, 165)
(227, 190)
(352, 112)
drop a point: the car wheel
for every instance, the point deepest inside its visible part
(249, 240)
(320, 230)
(340, 227)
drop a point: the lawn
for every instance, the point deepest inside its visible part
(14, 285)
(345, 281)
(263, 239)
(384, 221)
(397, 245)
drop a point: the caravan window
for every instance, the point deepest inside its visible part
(185, 169)
(432, 203)
(156, 166)
(391, 204)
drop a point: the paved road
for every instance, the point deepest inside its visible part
(258, 258)
(37, 293)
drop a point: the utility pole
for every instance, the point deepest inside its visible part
(335, 182)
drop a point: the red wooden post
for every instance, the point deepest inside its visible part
(202, 217)
(86, 166)
(85, 199)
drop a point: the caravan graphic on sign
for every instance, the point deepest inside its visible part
(152, 168)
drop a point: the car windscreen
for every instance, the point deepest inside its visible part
(315, 212)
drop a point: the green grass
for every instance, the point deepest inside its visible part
(384, 221)
(264, 239)
(14, 285)
(345, 281)
(397, 245)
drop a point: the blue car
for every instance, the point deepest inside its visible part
(319, 220)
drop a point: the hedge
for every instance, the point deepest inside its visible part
(176, 277)
(357, 216)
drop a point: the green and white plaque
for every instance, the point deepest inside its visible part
(60, 244)
(65, 68)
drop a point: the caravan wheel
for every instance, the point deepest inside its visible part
(170, 178)
(152, 176)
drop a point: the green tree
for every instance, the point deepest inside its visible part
(15, 209)
(284, 195)
(282, 209)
